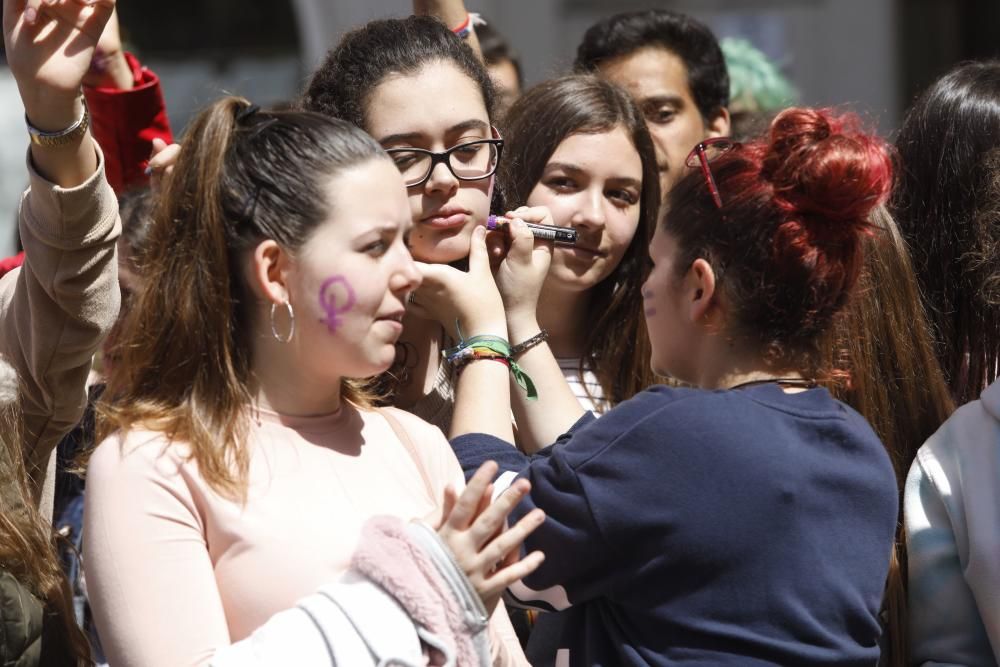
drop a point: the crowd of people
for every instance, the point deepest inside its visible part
(315, 386)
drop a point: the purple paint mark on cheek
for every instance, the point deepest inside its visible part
(336, 298)
(647, 294)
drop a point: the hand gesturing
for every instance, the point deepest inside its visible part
(50, 44)
(475, 530)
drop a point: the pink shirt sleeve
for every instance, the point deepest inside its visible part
(148, 572)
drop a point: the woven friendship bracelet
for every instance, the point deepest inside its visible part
(465, 28)
(466, 359)
(489, 347)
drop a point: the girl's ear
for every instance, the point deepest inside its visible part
(268, 272)
(699, 284)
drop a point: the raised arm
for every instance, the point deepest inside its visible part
(520, 277)
(57, 308)
(471, 302)
(128, 113)
(482, 403)
(49, 49)
(453, 14)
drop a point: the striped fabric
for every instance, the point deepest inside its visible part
(581, 384)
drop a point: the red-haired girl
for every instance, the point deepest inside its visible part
(748, 519)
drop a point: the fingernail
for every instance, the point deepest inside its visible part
(148, 170)
(30, 14)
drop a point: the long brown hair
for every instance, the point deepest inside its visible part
(243, 175)
(617, 344)
(882, 354)
(27, 545)
(882, 364)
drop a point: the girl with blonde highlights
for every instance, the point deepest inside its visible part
(242, 456)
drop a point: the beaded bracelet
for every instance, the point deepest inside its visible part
(489, 347)
(524, 346)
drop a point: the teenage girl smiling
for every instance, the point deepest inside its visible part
(578, 146)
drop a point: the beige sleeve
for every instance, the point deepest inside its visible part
(58, 307)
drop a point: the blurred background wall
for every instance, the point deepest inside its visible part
(873, 55)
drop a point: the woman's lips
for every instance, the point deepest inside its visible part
(580, 251)
(445, 220)
(394, 325)
(394, 320)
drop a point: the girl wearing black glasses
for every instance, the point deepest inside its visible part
(748, 519)
(577, 155)
(426, 98)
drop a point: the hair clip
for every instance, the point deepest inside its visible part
(251, 208)
(255, 127)
(246, 112)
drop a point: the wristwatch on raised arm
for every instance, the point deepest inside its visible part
(63, 137)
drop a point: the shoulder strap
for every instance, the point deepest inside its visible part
(408, 443)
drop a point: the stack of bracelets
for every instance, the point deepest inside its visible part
(493, 348)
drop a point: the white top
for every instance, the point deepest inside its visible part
(581, 384)
(952, 515)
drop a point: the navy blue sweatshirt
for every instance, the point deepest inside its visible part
(737, 527)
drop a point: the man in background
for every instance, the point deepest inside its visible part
(674, 69)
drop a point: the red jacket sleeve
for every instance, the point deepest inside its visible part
(125, 122)
(8, 264)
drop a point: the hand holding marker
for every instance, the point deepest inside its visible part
(558, 235)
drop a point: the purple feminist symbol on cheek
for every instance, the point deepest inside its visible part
(647, 294)
(336, 297)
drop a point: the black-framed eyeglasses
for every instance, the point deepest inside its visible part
(470, 161)
(703, 154)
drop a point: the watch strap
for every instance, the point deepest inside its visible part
(63, 137)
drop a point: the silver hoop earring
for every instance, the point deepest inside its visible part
(291, 326)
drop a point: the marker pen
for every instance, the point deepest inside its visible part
(558, 235)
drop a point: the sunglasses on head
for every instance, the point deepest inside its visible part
(703, 154)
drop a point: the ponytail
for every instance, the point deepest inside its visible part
(243, 176)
